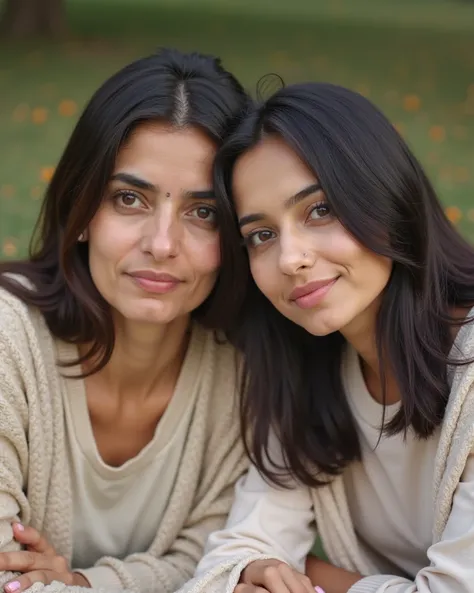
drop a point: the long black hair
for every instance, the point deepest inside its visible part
(381, 195)
(180, 89)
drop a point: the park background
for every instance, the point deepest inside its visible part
(413, 58)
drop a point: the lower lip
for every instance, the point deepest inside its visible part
(314, 298)
(155, 286)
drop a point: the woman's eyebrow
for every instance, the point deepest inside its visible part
(291, 201)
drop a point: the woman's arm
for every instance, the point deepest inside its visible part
(451, 568)
(265, 521)
(13, 446)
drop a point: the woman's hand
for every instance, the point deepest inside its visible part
(39, 562)
(272, 576)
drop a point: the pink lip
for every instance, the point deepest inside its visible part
(151, 281)
(312, 294)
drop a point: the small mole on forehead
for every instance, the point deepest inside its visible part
(167, 194)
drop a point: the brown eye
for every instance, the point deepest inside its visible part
(319, 211)
(258, 237)
(204, 213)
(126, 199)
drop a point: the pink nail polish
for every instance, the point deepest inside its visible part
(13, 586)
(319, 589)
(20, 527)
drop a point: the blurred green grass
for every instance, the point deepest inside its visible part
(415, 59)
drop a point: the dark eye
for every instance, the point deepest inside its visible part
(204, 213)
(320, 210)
(258, 237)
(127, 199)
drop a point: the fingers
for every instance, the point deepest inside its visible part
(26, 561)
(249, 589)
(25, 581)
(32, 539)
(276, 577)
(295, 581)
(283, 579)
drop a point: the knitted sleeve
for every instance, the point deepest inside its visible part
(13, 438)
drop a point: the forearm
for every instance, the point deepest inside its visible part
(141, 573)
(330, 578)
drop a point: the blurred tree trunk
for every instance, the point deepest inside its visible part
(22, 19)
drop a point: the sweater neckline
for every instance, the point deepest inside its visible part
(184, 394)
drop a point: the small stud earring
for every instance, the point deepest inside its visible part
(81, 238)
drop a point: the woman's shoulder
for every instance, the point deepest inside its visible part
(20, 324)
(463, 348)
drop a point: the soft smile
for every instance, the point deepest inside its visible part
(157, 283)
(311, 294)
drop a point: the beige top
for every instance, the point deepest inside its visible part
(37, 480)
(409, 525)
(108, 502)
(393, 522)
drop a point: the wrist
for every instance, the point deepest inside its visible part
(80, 580)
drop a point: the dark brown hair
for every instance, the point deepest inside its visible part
(182, 89)
(380, 193)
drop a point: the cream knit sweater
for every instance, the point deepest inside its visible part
(219, 571)
(35, 475)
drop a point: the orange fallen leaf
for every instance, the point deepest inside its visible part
(9, 247)
(46, 174)
(453, 214)
(437, 133)
(39, 115)
(67, 108)
(411, 103)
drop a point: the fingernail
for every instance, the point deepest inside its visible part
(319, 589)
(20, 527)
(13, 586)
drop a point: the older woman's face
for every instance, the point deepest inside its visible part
(153, 244)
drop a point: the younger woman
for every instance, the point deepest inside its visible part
(359, 408)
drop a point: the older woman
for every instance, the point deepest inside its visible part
(119, 445)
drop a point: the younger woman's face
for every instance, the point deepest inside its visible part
(301, 257)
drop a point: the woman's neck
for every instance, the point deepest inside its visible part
(145, 357)
(361, 335)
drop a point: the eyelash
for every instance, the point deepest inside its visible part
(321, 204)
(126, 193)
(247, 240)
(212, 210)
